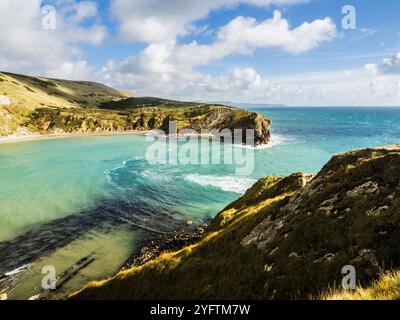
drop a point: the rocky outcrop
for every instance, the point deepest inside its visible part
(222, 118)
(286, 238)
(170, 242)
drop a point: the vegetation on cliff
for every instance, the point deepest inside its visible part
(387, 287)
(49, 106)
(286, 238)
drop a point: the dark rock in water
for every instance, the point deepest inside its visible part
(42, 241)
(170, 242)
(72, 271)
(286, 238)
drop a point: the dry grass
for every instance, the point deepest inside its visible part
(30, 93)
(386, 288)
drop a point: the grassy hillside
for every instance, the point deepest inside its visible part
(21, 95)
(142, 102)
(286, 238)
(31, 93)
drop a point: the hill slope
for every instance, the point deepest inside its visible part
(50, 106)
(285, 238)
(32, 92)
(21, 95)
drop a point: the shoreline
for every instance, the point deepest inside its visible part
(34, 137)
(37, 137)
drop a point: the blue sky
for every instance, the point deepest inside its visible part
(293, 52)
(350, 50)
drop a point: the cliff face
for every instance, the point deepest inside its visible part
(285, 238)
(49, 121)
(49, 106)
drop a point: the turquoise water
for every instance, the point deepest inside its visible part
(64, 199)
(307, 137)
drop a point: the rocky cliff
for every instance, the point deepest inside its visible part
(48, 106)
(286, 238)
(198, 118)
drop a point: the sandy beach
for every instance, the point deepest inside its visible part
(26, 138)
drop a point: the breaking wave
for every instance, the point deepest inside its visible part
(225, 183)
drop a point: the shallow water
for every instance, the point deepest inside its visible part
(65, 199)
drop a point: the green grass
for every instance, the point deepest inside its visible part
(140, 102)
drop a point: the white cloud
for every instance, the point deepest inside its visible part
(338, 88)
(240, 36)
(27, 47)
(160, 20)
(245, 35)
(83, 10)
(169, 69)
(388, 66)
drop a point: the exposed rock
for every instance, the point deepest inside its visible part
(265, 233)
(326, 258)
(337, 219)
(171, 242)
(264, 189)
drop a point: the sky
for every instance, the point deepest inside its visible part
(292, 52)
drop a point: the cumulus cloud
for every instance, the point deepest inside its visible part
(240, 36)
(338, 88)
(140, 21)
(388, 66)
(245, 34)
(81, 10)
(167, 68)
(27, 47)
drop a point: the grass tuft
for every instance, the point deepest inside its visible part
(387, 287)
